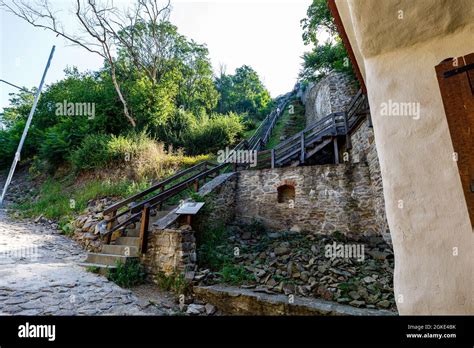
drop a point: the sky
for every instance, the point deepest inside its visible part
(265, 34)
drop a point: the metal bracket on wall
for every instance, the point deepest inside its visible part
(461, 70)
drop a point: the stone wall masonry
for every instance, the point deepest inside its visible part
(328, 198)
(332, 94)
(170, 251)
(364, 151)
(219, 205)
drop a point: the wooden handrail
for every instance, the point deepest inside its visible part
(163, 196)
(334, 124)
(154, 187)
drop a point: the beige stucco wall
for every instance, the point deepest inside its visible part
(416, 156)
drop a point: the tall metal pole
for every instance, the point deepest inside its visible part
(25, 131)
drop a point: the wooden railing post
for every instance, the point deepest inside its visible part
(346, 130)
(336, 150)
(160, 206)
(302, 153)
(196, 185)
(334, 124)
(144, 228)
(110, 225)
(273, 158)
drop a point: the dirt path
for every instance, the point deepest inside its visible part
(39, 275)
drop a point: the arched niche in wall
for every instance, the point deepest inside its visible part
(286, 193)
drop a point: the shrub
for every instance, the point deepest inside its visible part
(127, 274)
(213, 133)
(55, 197)
(257, 227)
(9, 140)
(212, 251)
(174, 282)
(235, 274)
(92, 153)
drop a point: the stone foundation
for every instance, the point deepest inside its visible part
(170, 251)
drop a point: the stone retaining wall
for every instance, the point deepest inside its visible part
(328, 198)
(170, 251)
(332, 94)
(364, 151)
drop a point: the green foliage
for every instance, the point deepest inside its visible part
(318, 19)
(288, 124)
(174, 282)
(174, 102)
(55, 197)
(212, 133)
(215, 253)
(235, 274)
(9, 140)
(212, 252)
(257, 227)
(93, 269)
(243, 92)
(93, 152)
(196, 197)
(127, 274)
(325, 56)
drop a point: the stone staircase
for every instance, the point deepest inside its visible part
(125, 248)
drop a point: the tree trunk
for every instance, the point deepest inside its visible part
(122, 99)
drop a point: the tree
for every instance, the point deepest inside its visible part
(318, 19)
(101, 22)
(325, 56)
(243, 92)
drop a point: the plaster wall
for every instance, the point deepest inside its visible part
(431, 232)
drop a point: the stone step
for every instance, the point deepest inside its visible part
(106, 259)
(124, 250)
(130, 241)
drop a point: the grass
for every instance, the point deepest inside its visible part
(93, 269)
(235, 274)
(174, 282)
(127, 274)
(215, 253)
(248, 133)
(61, 200)
(288, 124)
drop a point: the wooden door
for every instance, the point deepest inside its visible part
(456, 83)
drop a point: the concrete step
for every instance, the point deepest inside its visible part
(101, 269)
(106, 259)
(133, 233)
(130, 241)
(237, 301)
(124, 250)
